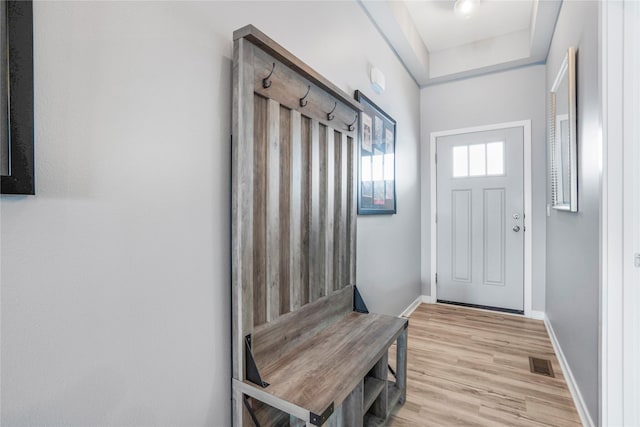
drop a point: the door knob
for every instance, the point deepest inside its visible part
(516, 228)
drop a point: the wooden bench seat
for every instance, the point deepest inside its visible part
(325, 368)
(315, 358)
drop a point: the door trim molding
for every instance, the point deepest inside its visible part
(528, 248)
(620, 203)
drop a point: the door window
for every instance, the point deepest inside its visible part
(478, 160)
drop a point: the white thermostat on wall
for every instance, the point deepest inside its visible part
(377, 80)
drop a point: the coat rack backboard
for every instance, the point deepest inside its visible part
(293, 187)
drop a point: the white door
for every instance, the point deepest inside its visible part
(480, 218)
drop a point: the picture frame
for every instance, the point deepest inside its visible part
(376, 160)
(17, 163)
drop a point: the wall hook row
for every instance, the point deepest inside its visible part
(266, 83)
(303, 102)
(331, 116)
(350, 125)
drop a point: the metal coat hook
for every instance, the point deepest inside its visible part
(329, 115)
(266, 83)
(303, 103)
(350, 125)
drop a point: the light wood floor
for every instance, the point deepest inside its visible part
(471, 367)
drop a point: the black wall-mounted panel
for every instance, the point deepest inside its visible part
(21, 178)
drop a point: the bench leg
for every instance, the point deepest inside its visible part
(297, 422)
(352, 407)
(240, 416)
(336, 419)
(401, 366)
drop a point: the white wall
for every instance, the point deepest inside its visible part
(115, 277)
(573, 240)
(506, 96)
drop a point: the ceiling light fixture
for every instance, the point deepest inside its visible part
(465, 8)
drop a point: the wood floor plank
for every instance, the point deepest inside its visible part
(470, 367)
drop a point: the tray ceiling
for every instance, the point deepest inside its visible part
(436, 45)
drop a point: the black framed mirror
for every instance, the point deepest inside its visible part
(16, 92)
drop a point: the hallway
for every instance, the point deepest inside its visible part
(471, 367)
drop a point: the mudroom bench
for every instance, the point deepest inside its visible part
(326, 362)
(305, 349)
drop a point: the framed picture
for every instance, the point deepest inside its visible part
(16, 98)
(376, 160)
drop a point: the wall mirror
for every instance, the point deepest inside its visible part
(562, 137)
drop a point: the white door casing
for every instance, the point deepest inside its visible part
(631, 214)
(620, 210)
(480, 218)
(432, 260)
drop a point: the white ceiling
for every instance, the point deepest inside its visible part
(441, 29)
(436, 45)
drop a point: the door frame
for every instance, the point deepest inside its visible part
(620, 204)
(526, 127)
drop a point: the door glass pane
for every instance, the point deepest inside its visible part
(477, 163)
(460, 161)
(495, 158)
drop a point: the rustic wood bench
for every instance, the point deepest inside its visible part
(326, 360)
(305, 349)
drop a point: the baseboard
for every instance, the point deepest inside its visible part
(537, 315)
(410, 309)
(427, 299)
(568, 375)
(422, 299)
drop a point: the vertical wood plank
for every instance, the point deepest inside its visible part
(305, 213)
(273, 210)
(337, 210)
(285, 210)
(243, 419)
(259, 210)
(329, 194)
(316, 251)
(296, 422)
(242, 208)
(322, 213)
(295, 210)
(344, 200)
(237, 407)
(352, 177)
(401, 365)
